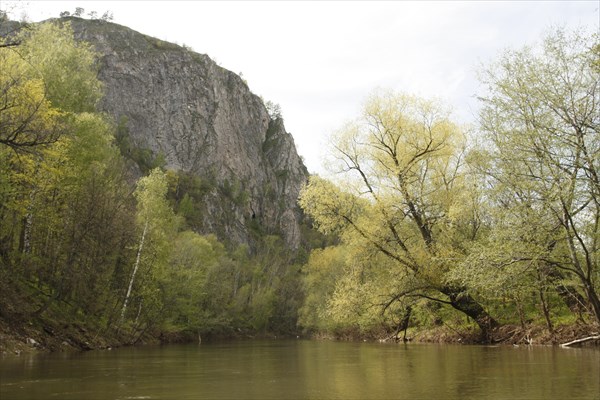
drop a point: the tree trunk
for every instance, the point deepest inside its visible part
(546, 310)
(583, 340)
(135, 268)
(568, 293)
(466, 304)
(571, 297)
(593, 298)
(55, 296)
(403, 325)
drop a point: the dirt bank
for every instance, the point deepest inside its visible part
(508, 335)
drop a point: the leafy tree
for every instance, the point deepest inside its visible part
(107, 16)
(184, 286)
(274, 297)
(157, 223)
(324, 269)
(402, 196)
(27, 118)
(69, 201)
(66, 66)
(50, 76)
(63, 209)
(541, 119)
(274, 110)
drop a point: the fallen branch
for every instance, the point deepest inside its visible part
(583, 340)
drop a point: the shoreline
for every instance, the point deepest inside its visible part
(31, 339)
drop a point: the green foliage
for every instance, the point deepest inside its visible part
(324, 268)
(234, 190)
(145, 159)
(187, 194)
(27, 118)
(66, 66)
(64, 212)
(185, 281)
(404, 196)
(516, 228)
(542, 158)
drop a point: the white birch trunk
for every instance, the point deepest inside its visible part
(135, 268)
(28, 224)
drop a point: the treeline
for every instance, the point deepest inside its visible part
(447, 225)
(82, 240)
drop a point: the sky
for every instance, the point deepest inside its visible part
(319, 60)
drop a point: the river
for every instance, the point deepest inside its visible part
(302, 369)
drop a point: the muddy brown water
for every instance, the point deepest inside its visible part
(302, 369)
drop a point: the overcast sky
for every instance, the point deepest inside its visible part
(319, 60)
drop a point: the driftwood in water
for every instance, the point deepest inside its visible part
(582, 340)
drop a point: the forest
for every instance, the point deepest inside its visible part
(424, 225)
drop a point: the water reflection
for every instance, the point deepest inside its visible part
(306, 370)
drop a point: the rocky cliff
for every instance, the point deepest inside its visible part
(203, 120)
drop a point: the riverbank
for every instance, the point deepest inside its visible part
(504, 335)
(20, 335)
(49, 336)
(509, 335)
(46, 335)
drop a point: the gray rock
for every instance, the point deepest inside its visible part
(205, 121)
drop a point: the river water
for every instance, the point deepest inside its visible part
(301, 369)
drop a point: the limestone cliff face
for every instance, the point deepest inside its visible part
(203, 120)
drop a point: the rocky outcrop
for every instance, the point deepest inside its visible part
(203, 120)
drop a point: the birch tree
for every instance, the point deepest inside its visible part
(156, 223)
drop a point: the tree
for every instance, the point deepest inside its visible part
(27, 118)
(185, 281)
(64, 215)
(67, 67)
(157, 223)
(541, 117)
(273, 109)
(64, 204)
(341, 289)
(107, 16)
(49, 77)
(403, 196)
